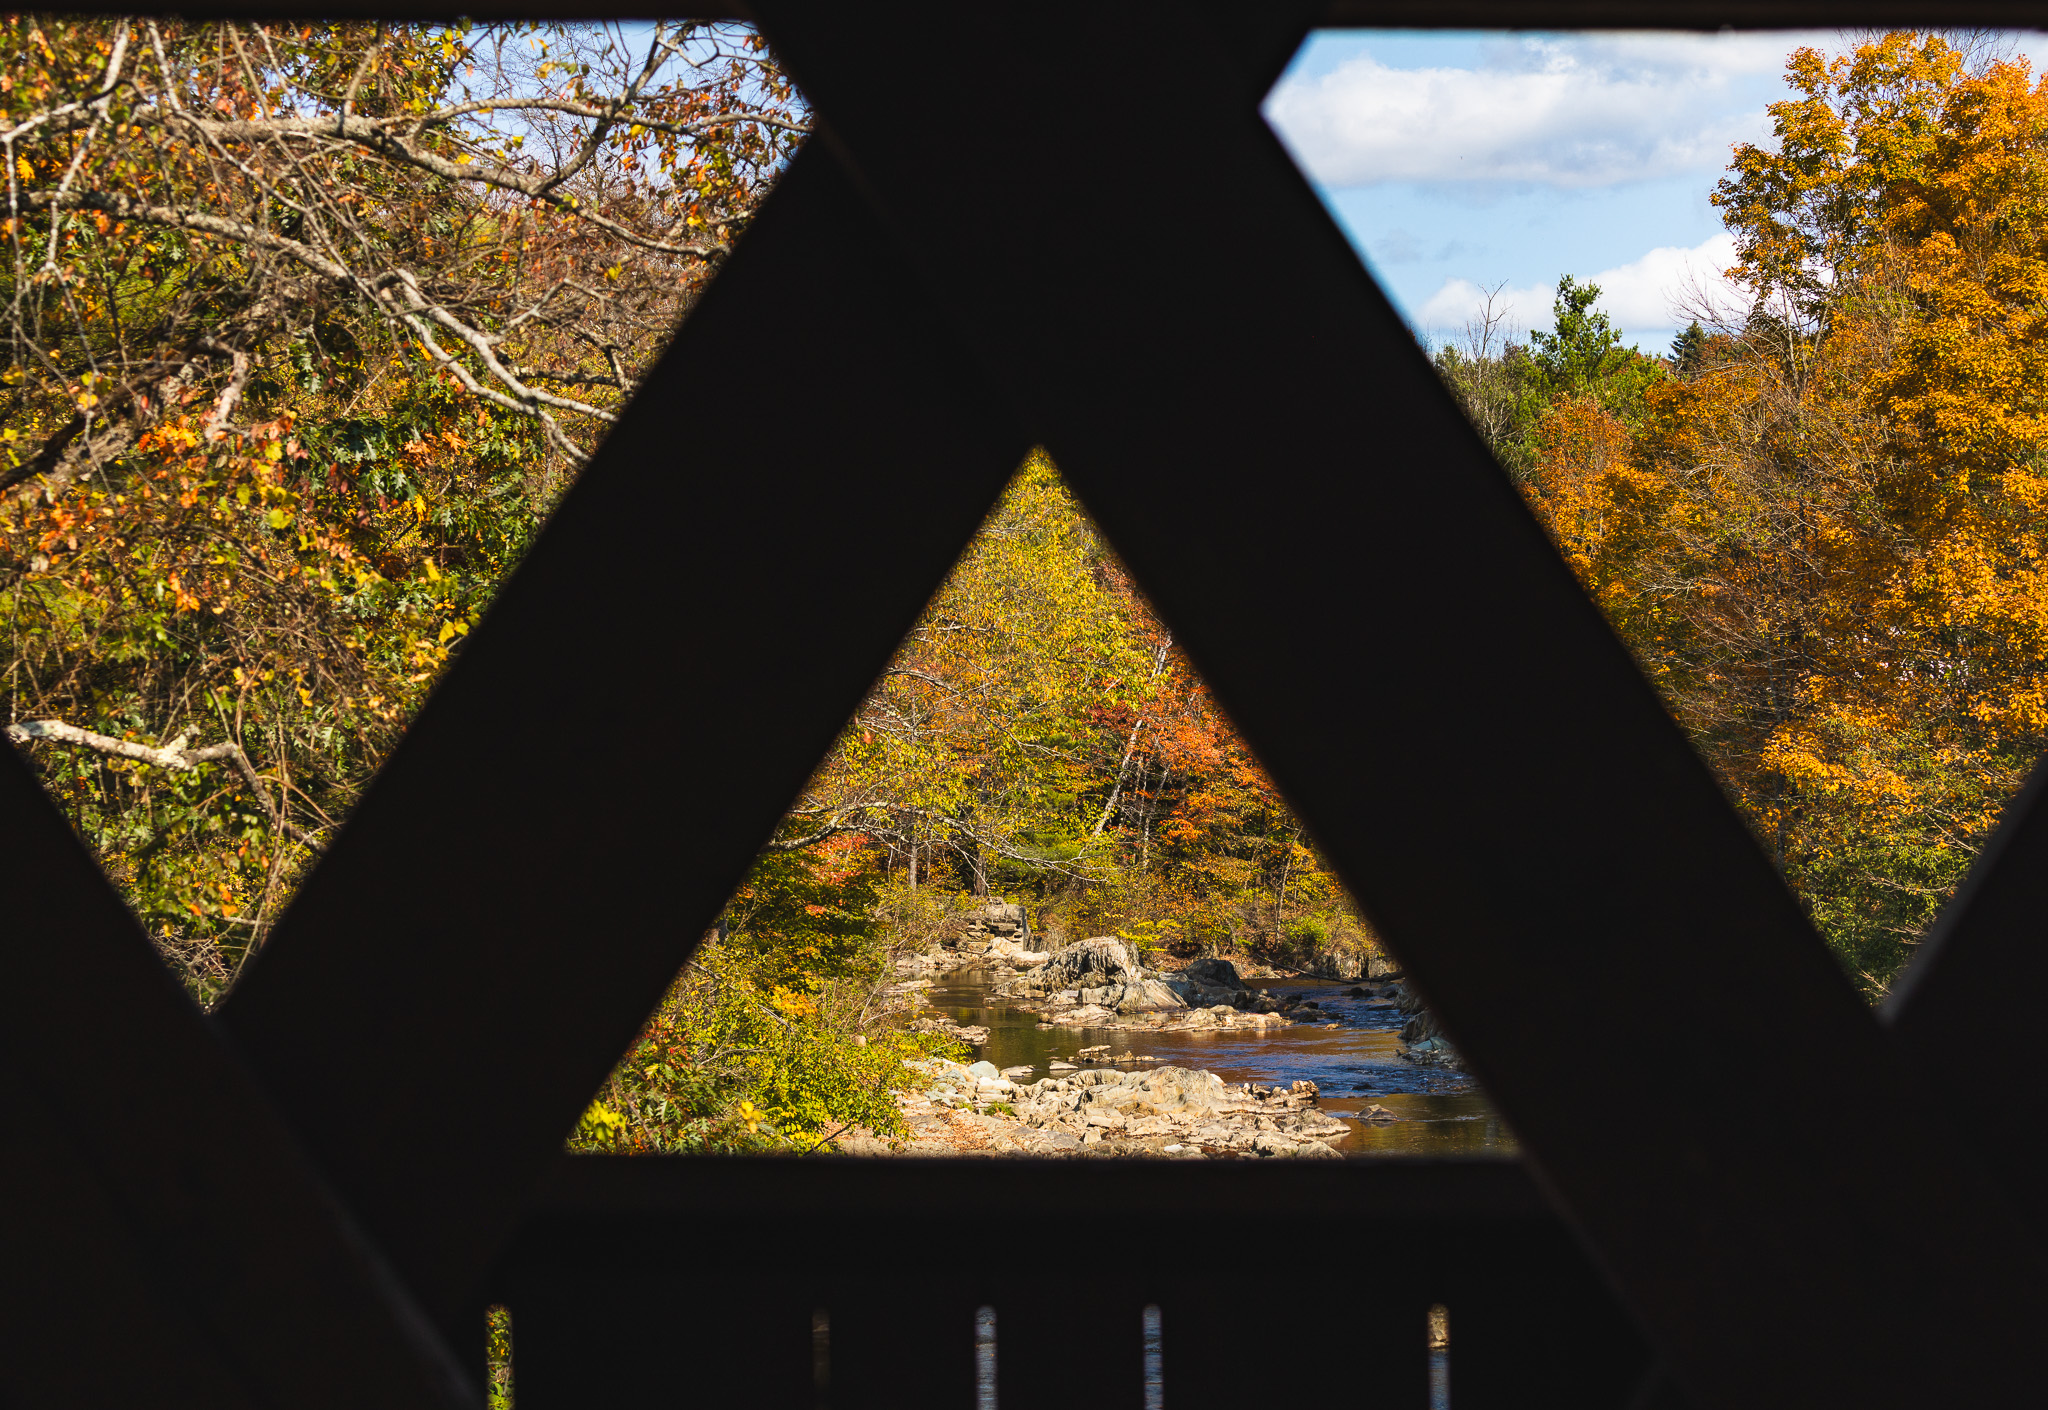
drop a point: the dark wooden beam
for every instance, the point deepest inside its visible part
(163, 1241)
(894, 1256)
(1124, 245)
(587, 785)
(1707, 15)
(1966, 1008)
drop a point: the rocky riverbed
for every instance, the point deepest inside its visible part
(1161, 1111)
(1362, 1057)
(1100, 984)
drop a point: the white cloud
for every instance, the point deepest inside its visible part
(1578, 111)
(1664, 288)
(1460, 301)
(1667, 286)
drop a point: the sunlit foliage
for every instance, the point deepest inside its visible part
(307, 328)
(1824, 534)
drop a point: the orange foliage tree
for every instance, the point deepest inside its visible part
(1825, 536)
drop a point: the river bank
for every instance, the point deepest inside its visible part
(1348, 1048)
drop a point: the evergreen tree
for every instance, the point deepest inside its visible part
(1583, 347)
(1686, 349)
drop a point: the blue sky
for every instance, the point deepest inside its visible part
(1458, 162)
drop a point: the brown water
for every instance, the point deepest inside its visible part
(1355, 1064)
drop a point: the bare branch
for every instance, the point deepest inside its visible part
(173, 756)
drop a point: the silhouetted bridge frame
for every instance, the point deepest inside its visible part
(1026, 224)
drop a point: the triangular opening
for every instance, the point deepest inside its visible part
(1038, 869)
(313, 325)
(1781, 422)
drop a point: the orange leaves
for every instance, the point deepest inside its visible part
(1829, 541)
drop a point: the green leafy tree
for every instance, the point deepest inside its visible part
(1583, 354)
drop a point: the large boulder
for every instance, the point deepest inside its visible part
(1103, 973)
(1219, 973)
(1208, 982)
(1133, 996)
(999, 922)
(1088, 964)
(1101, 963)
(1009, 952)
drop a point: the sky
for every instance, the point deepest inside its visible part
(1461, 162)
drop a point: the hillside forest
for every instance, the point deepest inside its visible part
(309, 327)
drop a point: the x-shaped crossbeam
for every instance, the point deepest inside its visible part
(1022, 226)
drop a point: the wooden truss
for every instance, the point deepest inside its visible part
(1029, 224)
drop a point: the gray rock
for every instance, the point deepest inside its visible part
(983, 1069)
(1218, 974)
(1091, 963)
(1208, 982)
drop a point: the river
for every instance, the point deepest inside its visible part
(1354, 1064)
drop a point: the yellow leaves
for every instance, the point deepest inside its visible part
(752, 1115)
(792, 1004)
(23, 170)
(600, 1120)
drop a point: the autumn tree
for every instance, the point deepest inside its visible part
(307, 326)
(1041, 736)
(1825, 541)
(1507, 387)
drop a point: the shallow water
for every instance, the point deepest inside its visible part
(1354, 1064)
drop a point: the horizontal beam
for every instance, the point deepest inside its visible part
(1708, 15)
(756, 1273)
(1333, 1197)
(1705, 15)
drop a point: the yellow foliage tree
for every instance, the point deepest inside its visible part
(1826, 540)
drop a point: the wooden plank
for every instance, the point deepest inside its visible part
(1275, 460)
(587, 785)
(142, 1157)
(82, 1316)
(1965, 1007)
